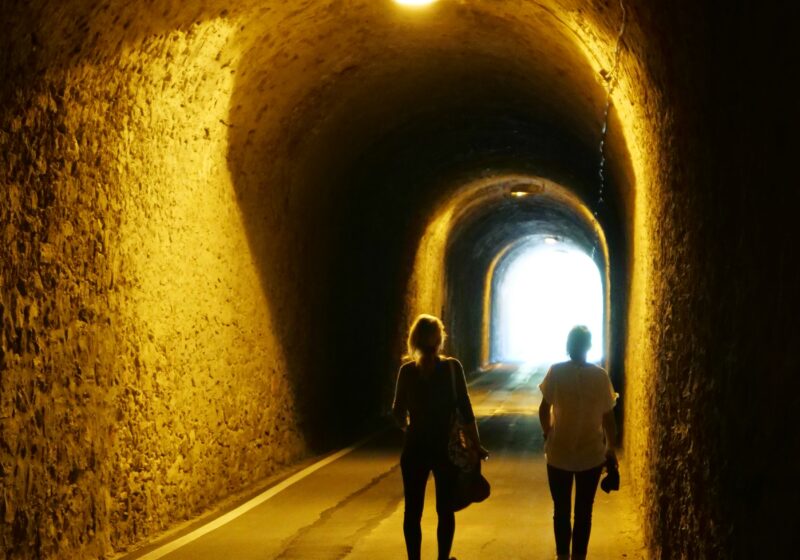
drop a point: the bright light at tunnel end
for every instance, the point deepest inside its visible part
(545, 291)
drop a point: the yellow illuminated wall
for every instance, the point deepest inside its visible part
(199, 338)
(145, 361)
(164, 388)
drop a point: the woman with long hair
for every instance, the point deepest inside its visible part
(580, 438)
(424, 405)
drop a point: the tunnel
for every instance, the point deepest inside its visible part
(541, 288)
(505, 218)
(220, 218)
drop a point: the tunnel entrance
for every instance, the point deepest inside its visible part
(540, 290)
(488, 236)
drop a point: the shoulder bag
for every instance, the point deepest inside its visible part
(469, 485)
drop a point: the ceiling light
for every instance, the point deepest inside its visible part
(522, 189)
(415, 2)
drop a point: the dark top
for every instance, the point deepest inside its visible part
(430, 403)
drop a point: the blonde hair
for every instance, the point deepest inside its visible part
(424, 325)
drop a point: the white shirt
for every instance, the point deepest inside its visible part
(580, 395)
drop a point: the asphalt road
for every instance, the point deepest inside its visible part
(352, 508)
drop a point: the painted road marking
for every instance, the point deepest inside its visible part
(247, 506)
(226, 518)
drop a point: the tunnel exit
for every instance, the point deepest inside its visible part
(545, 288)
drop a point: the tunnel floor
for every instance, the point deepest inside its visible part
(353, 507)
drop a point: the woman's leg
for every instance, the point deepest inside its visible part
(560, 482)
(415, 477)
(444, 475)
(585, 490)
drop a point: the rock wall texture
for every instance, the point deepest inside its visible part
(709, 381)
(141, 376)
(204, 204)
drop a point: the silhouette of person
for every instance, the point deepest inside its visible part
(577, 411)
(423, 406)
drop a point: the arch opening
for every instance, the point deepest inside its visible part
(540, 291)
(275, 107)
(476, 235)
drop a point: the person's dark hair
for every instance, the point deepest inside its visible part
(579, 341)
(424, 326)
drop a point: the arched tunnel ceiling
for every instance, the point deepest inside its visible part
(490, 229)
(317, 84)
(489, 225)
(356, 116)
(413, 77)
(293, 155)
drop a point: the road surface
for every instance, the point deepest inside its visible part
(352, 508)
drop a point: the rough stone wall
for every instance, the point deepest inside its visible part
(144, 94)
(58, 341)
(141, 375)
(710, 364)
(672, 416)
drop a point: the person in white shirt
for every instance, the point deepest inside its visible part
(577, 416)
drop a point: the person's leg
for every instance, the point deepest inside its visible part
(585, 490)
(444, 475)
(415, 477)
(560, 482)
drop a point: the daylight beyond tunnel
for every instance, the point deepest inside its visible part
(547, 287)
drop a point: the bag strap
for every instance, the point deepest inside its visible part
(452, 369)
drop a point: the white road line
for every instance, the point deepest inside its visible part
(172, 546)
(247, 506)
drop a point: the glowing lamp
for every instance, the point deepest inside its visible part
(550, 240)
(415, 2)
(521, 190)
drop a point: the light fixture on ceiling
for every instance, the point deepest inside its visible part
(415, 2)
(521, 190)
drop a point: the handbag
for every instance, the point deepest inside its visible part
(469, 485)
(611, 481)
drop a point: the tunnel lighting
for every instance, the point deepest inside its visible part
(521, 190)
(415, 2)
(551, 240)
(543, 293)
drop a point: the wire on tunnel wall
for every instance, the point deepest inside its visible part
(610, 83)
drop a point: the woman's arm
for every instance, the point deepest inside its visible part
(465, 406)
(547, 389)
(472, 433)
(609, 421)
(610, 430)
(544, 417)
(400, 404)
